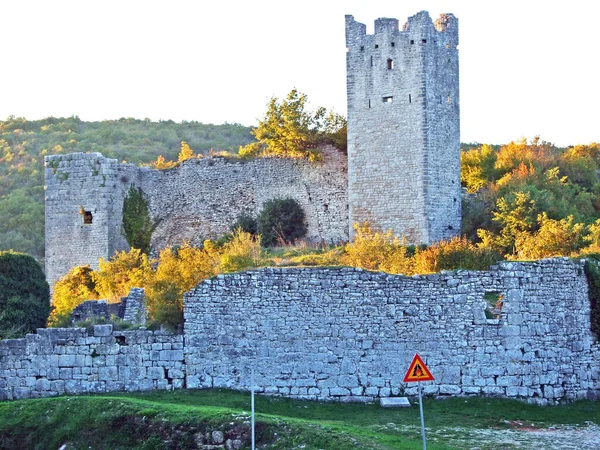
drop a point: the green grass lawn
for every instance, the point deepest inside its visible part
(176, 420)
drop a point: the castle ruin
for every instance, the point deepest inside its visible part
(402, 172)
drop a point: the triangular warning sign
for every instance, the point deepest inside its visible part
(417, 371)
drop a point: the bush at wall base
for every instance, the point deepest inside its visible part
(281, 221)
(24, 295)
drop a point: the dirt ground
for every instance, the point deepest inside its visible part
(519, 435)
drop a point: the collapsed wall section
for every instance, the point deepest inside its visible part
(351, 334)
(58, 361)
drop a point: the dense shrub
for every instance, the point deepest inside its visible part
(24, 295)
(245, 223)
(457, 253)
(115, 277)
(376, 250)
(72, 289)
(281, 221)
(241, 252)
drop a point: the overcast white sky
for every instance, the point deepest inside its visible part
(527, 67)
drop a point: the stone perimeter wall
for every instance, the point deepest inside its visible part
(350, 334)
(59, 361)
(198, 199)
(339, 334)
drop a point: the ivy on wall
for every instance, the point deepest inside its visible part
(137, 224)
(592, 272)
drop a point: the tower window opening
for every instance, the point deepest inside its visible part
(412, 41)
(424, 41)
(369, 103)
(388, 99)
(362, 48)
(409, 98)
(390, 64)
(447, 45)
(371, 61)
(376, 45)
(87, 217)
(393, 44)
(449, 99)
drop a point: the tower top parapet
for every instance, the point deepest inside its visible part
(419, 24)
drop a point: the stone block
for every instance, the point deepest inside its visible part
(339, 391)
(448, 389)
(156, 373)
(347, 381)
(394, 402)
(109, 373)
(103, 330)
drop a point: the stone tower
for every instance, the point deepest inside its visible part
(84, 209)
(404, 127)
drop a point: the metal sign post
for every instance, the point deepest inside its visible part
(417, 372)
(422, 418)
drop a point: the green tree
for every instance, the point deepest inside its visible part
(515, 215)
(477, 167)
(561, 237)
(288, 130)
(24, 295)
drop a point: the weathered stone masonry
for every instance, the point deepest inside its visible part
(338, 334)
(351, 334)
(404, 126)
(199, 199)
(70, 361)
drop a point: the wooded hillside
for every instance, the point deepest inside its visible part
(23, 145)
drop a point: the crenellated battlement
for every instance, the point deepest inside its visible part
(444, 29)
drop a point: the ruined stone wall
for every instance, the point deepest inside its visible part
(72, 361)
(344, 334)
(199, 199)
(202, 198)
(403, 126)
(351, 334)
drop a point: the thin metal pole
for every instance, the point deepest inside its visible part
(252, 413)
(422, 418)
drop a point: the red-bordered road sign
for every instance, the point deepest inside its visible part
(417, 371)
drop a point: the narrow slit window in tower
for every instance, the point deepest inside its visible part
(371, 61)
(87, 217)
(412, 41)
(409, 98)
(390, 64)
(393, 44)
(369, 103)
(388, 99)
(362, 48)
